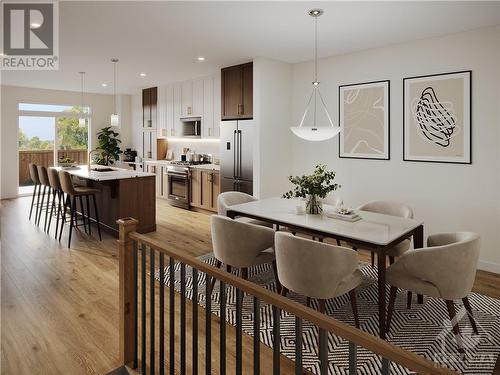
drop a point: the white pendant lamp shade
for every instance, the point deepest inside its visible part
(314, 132)
(310, 133)
(115, 119)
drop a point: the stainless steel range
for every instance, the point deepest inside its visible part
(178, 178)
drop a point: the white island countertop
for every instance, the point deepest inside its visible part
(82, 171)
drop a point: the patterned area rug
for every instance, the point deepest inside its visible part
(425, 329)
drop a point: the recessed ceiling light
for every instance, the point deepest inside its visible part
(104, 84)
(142, 74)
(201, 58)
(35, 25)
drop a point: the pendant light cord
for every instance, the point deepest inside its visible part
(316, 49)
(114, 84)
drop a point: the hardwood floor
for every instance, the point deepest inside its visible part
(59, 312)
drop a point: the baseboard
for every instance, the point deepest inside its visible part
(489, 266)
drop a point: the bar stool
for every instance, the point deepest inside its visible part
(34, 177)
(44, 181)
(57, 194)
(72, 192)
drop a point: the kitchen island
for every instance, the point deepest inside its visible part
(123, 193)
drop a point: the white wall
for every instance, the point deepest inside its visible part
(447, 197)
(272, 109)
(101, 105)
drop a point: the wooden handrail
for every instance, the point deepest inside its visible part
(374, 344)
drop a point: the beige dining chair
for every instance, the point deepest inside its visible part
(317, 270)
(231, 198)
(394, 209)
(446, 269)
(242, 245)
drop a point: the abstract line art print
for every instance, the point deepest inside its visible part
(364, 117)
(437, 118)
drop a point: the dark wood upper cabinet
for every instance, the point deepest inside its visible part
(237, 92)
(149, 103)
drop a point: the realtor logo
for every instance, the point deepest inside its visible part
(30, 36)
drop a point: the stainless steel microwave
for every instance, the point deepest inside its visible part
(191, 127)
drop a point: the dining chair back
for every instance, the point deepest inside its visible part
(54, 181)
(315, 269)
(66, 183)
(230, 198)
(237, 243)
(34, 173)
(388, 208)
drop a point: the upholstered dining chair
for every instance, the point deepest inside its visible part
(231, 198)
(242, 245)
(317, 270)
(446, 269)
(394, 209)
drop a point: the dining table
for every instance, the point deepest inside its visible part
(374, 231)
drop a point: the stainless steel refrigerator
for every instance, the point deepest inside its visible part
(236, 155)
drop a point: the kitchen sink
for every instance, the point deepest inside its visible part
(103, 169)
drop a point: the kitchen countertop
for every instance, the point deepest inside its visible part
(82, 171)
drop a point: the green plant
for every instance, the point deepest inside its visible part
(108, 145)
(319, 184)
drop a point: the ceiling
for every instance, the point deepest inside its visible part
(164, 39)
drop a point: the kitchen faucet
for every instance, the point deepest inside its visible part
(88, 159)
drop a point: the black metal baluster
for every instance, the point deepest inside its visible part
(136, 305)
(239, 343)
(386, 366)
(151, 310)
(323, 352)
(276, 340)
(183, 319)
(143, 308)
(353, 358)
(222, 357)
(298, 346)
(172, 317)
(195, 322)
(162, 315)
(208, 326)
(256, 336)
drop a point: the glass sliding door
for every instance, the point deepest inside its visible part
(49, 134)
(36, 141)
(72, 140)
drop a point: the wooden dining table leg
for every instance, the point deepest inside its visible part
(418, 243)
(381, 290)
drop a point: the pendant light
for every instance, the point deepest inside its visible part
(81, 120)
(315, 133)
(115, 119)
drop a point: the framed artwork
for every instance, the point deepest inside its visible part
(437, 118)
(364, 117)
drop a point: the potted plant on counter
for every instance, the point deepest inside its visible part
(313, 188)
(108, 147)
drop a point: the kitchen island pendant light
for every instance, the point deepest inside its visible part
(115, 119)
(81, 120)
(316, 133)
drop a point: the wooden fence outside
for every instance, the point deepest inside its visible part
(45, 158)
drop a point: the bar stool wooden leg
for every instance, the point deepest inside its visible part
(63, 218)
(41, 206)
(97, 217)
(52, 206)
(59, 197)
(47, 210)
(83, 213)
(72, 215)
(87, 198)
(33, 201)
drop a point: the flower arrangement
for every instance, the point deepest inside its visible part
(313, 187)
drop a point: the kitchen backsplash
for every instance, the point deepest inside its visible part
(199, 146)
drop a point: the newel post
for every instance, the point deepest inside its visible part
(127, 261)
